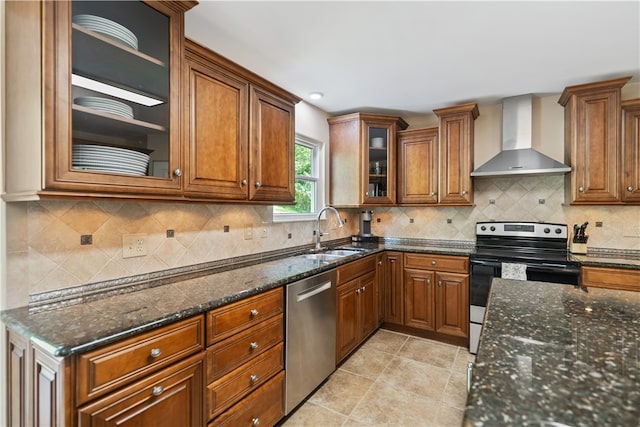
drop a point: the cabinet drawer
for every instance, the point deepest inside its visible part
(355, 269)
(233, 318)
(612, 278)
(113, 366)
(264, 407)
(453, 264)
(231, 353)
(229, 389)
(173, 395)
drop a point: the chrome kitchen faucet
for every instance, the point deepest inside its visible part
(318, 232)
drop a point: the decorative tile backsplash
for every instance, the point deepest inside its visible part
(44, 251)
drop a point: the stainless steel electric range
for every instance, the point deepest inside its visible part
(537, 250)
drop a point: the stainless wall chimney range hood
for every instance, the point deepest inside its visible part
(517, 157)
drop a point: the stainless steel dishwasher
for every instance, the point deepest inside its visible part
(310, 339)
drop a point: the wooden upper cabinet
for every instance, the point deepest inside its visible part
(456, 154)
(363, 159)
(593, 141)
(216, 143)
(272, 143)
(67, 137)
(418, 166)
(630, 174)
(239, 132)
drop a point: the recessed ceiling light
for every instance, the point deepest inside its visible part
(316, 95)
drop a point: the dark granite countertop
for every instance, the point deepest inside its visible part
(82, 327)
(613, 260)
(553, 353)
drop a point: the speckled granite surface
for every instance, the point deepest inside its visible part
(82, 327)
(553, 353)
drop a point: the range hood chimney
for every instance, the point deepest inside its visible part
(517, 157)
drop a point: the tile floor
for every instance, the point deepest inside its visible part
(392, 380)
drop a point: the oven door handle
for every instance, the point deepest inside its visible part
(488, 263)
(554, 268)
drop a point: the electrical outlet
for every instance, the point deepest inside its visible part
(248, 232)
(134, 245)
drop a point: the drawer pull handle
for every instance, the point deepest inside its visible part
(255, 422)
(253, 345)
(254, 379)
(157, 390)
(433, 263)
(155, 352)
(254, 312)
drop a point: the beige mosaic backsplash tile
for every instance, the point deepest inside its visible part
(44, 251)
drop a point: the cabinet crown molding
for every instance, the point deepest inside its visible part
(471, 107)
(590, 88)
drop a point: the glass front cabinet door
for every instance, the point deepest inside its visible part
(112, 90)
(379, 168)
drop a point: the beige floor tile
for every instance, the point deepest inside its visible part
(416, 377)
(385, 405)
(428, 351)
(313, 415)
(448, 416)
(367, 362)
(456, 392)
(342, 392)
(387, 341)
(354, 423)
(462, 358)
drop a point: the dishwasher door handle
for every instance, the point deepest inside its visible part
(313, 291)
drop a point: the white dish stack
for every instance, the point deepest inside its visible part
(108, 28)
(105, 104)
(101, 158)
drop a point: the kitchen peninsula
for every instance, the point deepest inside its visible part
(558, 355)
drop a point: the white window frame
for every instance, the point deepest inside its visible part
(319, 178)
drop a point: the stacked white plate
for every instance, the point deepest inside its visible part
(109, 28)
(109, 159)
(105, 104)
(377, 142)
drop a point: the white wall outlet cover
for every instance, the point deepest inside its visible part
(134, 245)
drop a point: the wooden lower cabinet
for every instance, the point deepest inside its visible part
(171, 397)
(611, 278)
(392, 289)
(357, 305)
(245, 361)
(435, 297)
(264, 407)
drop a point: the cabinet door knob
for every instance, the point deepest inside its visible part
(243, 182)
(379, 262)
(464, 192)
(357, 291)
(157, 390)
(257, 184)
(439, 283)
(433, 193)
(253, 345)
(177, 172)
(428, 281)
(254, 312)
(433, 263)
(254, 379)
(581, 189)
(255, 422)
(629, 188)
(366, 193)
(155, 352)
(364, 288)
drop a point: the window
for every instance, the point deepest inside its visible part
(309, 190)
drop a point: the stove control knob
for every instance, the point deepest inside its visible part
(483, 227)
(558, 230)
(493, 228)
(547, 230)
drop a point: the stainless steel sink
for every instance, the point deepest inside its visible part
(322, 257)
(330, 255)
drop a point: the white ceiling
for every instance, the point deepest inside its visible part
(411, 57)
